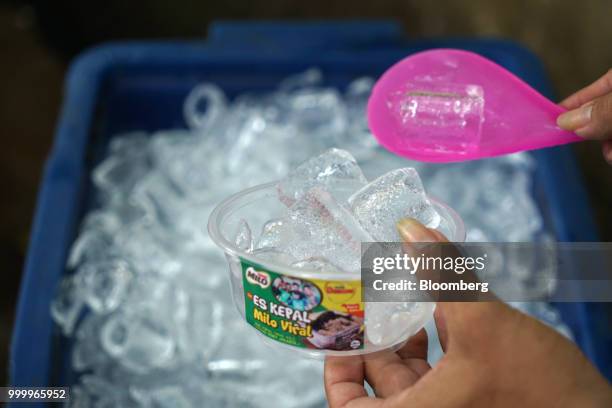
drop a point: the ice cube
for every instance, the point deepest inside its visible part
(295, 381)
(86, 352)
(194, 261)
(101, 390)
(148, 247)
(167, 397)
(178, 155)
(129, 143)
(391, 197)
(243, 238)
(335, 170)
(200, 328)
(309, 78)
(104, 283)
(249, 146)
(317, 111)
(321, 227)
(231, 361)
(272, 233)
(138, 341)
(79, 397)
(204, 105)
(67, 306)
(357, 138)
(92, 244)
(84, 355)
(119, 172)
(439, 116)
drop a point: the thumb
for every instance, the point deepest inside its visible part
(454, 320)
(410, 230)
(465, 324)
(593, 120)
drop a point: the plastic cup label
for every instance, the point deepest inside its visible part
(307, 313)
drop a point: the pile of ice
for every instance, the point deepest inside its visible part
(145, 300)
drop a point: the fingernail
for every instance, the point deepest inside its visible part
(411, 230)
(576, 118)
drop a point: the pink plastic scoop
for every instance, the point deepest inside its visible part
(449, 105)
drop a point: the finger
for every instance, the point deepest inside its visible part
(388, 375)
(451, 385)
(439, 235)
(413, 234)
(414, 353)
(598, 88)
(607, 151)
(410, 230)
(415, 347)
(343, 378)
(460, 322)
(577, 118)
(419, 240)
(591, 121)
(441, 328)
(599, 125)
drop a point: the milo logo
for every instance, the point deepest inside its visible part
(257, 278)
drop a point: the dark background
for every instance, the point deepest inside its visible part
(38, 39)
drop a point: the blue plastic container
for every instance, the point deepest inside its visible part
(127, 86)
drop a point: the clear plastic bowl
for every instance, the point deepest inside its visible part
(259, 204)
